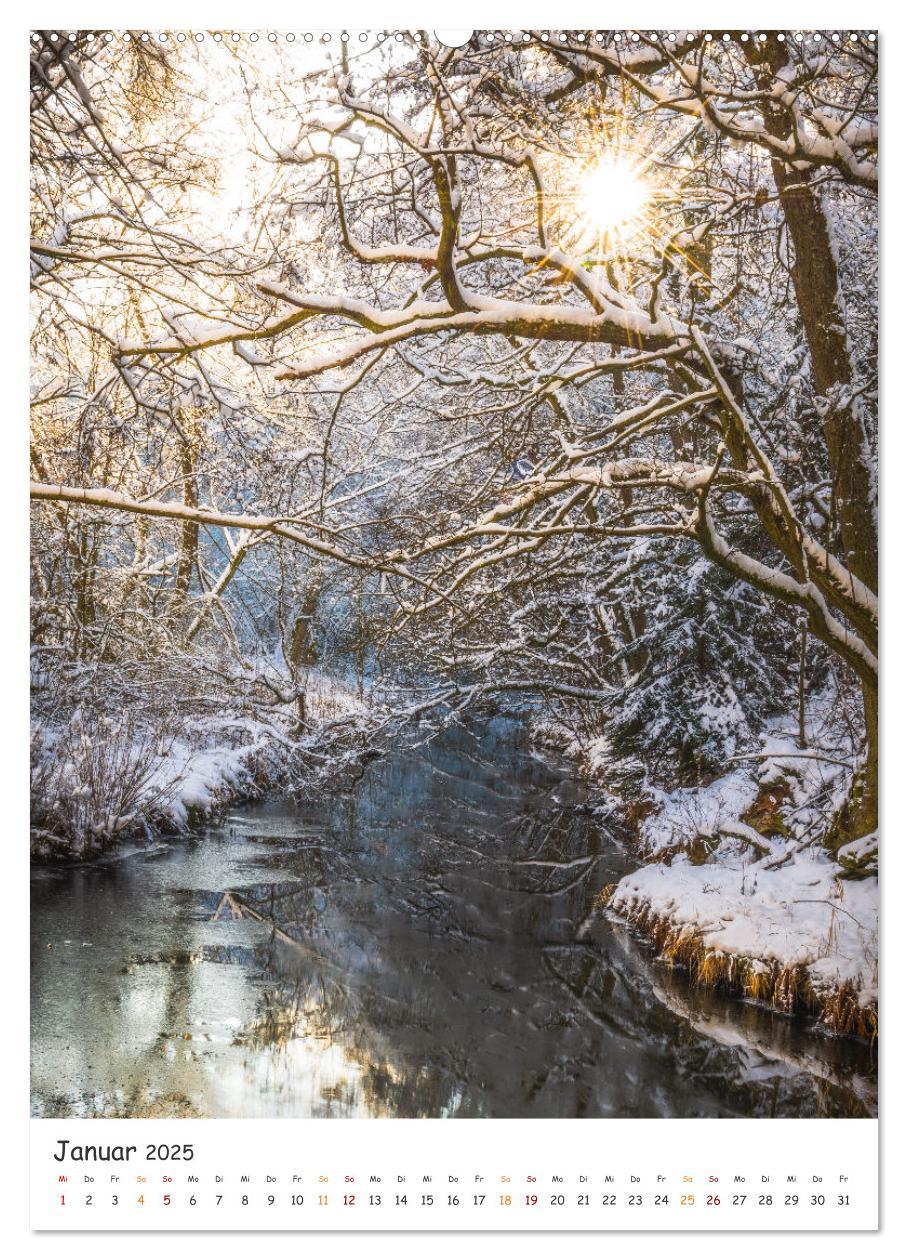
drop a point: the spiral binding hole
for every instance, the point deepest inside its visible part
(618, 38)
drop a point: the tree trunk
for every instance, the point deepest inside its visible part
(816, 283)
(860, 814)
(189, 534)
(303, 648)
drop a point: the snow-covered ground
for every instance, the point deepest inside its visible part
(97, 779)
(740, 889)
(238, 756)
(792, 935)
(738, 886)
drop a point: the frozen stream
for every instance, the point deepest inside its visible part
(422, 947)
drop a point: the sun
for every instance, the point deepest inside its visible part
(606, 203)
(611, 194)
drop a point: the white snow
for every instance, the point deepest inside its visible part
(770, 899)
(182, 778)
(801, 914)
(691, 812)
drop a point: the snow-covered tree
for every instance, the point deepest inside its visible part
(561, 347)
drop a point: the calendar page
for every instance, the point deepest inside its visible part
(454, 703)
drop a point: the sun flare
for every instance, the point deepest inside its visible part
(611, 194)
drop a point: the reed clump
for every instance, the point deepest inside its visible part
(782, 987)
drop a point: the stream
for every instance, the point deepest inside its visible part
(425, 945)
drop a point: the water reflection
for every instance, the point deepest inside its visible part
(423, 946)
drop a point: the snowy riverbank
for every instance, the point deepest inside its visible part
(796, 936)
(739, 889)
(99, 780)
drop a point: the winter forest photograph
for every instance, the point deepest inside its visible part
(453, 573)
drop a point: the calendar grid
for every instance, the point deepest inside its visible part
(488, 1175)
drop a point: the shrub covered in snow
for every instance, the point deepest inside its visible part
(126, 762)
